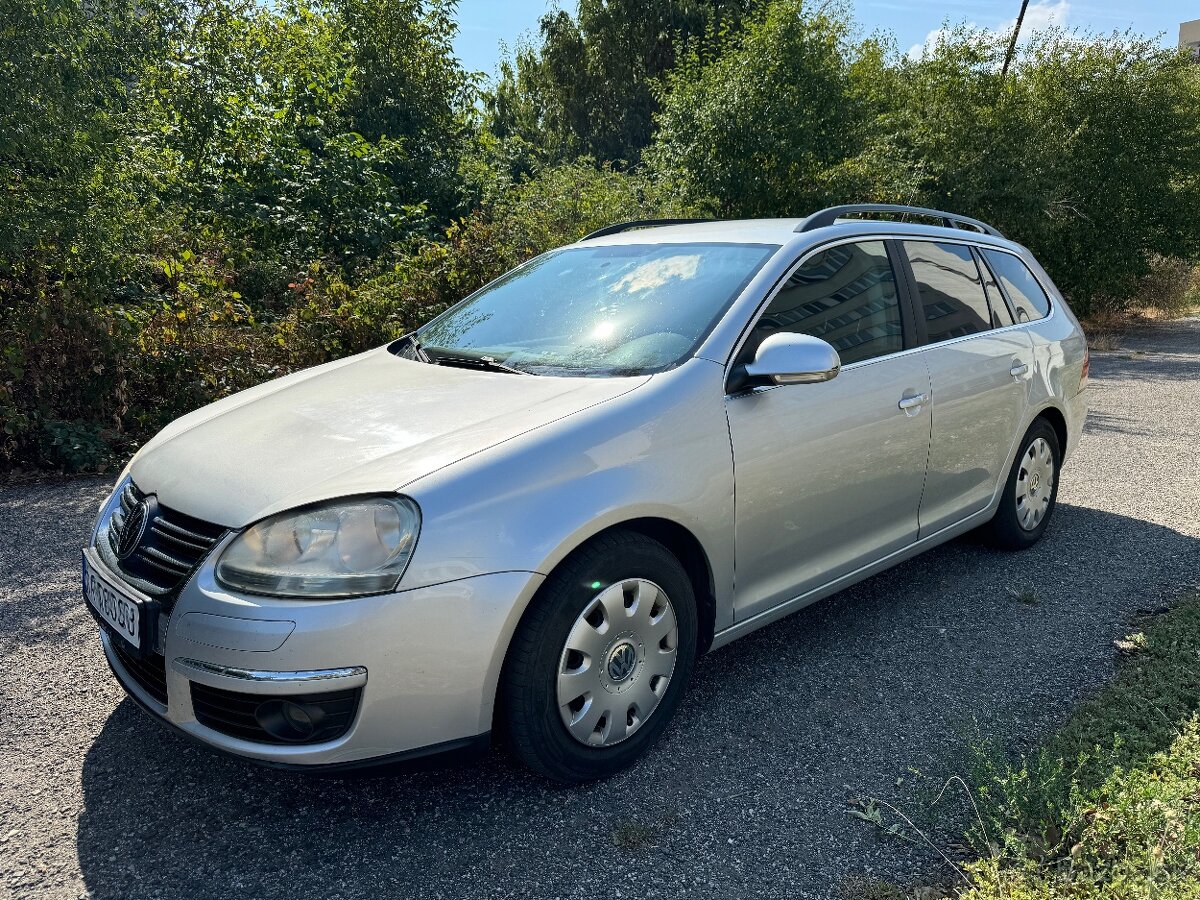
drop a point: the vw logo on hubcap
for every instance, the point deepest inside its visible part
(133, 528)
(621, 662)
(1035, 482)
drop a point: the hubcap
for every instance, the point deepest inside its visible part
(617, 662)
(1035, 484)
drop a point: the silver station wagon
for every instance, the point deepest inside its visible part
(528, 518)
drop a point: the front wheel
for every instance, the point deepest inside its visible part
(1030, 492)
(601, 659)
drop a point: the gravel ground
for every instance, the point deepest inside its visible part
(745, 797)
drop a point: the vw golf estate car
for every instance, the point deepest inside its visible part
(530, 516)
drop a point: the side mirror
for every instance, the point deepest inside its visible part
(788, 358)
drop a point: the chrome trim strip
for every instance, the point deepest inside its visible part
(268, 677)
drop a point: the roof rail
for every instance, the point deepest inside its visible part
(638, 223)
(951, 220)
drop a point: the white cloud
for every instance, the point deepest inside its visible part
(1041, 14)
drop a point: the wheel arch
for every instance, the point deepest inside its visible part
(680, 541)
(1058, 422)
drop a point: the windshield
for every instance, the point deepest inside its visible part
(617, 310)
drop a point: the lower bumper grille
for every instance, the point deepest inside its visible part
(150, 673)
(242, 715)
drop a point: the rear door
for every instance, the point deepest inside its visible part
(828, 476)
(980, 370)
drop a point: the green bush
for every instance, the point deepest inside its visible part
(201, 197)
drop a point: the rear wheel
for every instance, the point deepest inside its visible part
(1030, 492)
(601, 660)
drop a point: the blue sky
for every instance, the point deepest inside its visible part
(484, 24)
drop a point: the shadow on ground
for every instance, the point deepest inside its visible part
(746, 796)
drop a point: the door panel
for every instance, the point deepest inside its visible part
(980, 379)
(978, 407)
(828, 477)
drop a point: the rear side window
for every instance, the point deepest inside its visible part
(950, 288)
(845, 295)
(1027, 296)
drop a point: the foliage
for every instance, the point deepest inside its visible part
(1108, 808)
(764, 126)
(198, 195)
(311, 132)
(587, 88)
(1089, 153)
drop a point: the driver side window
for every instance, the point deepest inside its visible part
(845, 295)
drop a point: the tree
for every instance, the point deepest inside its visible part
(313, 131)
(587, 89)
(1089, 152)
(764, 128)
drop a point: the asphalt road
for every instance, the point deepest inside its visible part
(745, 797)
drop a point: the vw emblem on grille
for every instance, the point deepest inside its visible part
(621, 662)
(134, 527)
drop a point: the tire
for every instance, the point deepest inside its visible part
(618, 670)
(1019, 524)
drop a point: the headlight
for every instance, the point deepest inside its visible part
(342, 549)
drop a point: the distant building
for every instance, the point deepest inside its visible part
(1189, 37)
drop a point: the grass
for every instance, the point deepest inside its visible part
(1109, 807)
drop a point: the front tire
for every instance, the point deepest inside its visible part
(1030, 493)
(601, 660)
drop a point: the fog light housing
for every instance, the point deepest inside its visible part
(289, 721)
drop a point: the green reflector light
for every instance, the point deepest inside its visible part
(596, 584)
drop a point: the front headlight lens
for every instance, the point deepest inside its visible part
(343, 549)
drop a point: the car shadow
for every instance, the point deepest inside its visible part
(745, 795)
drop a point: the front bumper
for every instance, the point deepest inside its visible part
(425, 664)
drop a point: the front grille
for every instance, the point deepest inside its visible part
(150, 673)
(172, 544)
(233, 713)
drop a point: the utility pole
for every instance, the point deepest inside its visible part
(1012, 44)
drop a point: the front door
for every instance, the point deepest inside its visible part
(828, 477)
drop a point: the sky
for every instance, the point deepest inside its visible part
(485, 24)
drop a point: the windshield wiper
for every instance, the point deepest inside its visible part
(418, 351)
(442, 358)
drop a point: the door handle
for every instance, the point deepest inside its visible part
(1018, 369)
(907, 403)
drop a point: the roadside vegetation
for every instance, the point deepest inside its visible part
(199, 195)
(1108, 807)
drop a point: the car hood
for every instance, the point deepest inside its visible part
(373, 422)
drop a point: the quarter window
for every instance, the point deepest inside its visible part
(1001, 315)
(845, 295)
(950, 288)
(1023, 289)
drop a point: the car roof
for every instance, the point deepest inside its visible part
(734, 231)
(783, 232)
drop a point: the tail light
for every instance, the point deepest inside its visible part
(1087, 363)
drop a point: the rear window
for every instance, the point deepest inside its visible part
(950, 288)
(1028, 298)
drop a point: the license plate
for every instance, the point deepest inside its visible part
(114, 605)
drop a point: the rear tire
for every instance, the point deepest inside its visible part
(601, 660)
(1027, 501)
